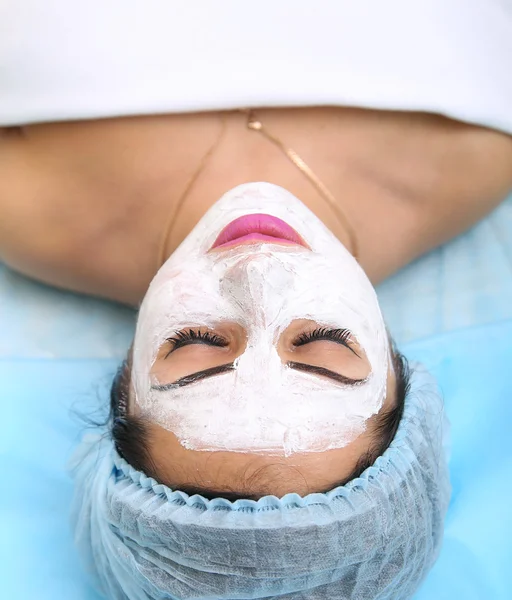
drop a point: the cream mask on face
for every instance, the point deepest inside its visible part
(262, 405)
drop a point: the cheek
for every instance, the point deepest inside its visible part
(167, 308)
(187, 301)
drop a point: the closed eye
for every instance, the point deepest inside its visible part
(192, 336)
(339, 336)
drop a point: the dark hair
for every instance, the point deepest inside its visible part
(131, 435)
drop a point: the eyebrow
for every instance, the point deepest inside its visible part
(326, 373)
(193, 377)
(212, 371)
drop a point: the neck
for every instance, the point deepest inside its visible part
(260, 157)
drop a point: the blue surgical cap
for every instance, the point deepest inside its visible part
(373, 538)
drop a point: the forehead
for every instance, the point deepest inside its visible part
(262, 474)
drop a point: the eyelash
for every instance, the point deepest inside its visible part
(340, 336)
(191, 336)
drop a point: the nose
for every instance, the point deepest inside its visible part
(259, 285)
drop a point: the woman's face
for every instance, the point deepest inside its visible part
(260, 335)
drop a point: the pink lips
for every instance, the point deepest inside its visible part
(258, 228)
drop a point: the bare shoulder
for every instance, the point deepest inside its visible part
(63, 220)
(84, 205)
(451, 175)
(470, 177)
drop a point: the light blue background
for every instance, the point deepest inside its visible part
(452, 310)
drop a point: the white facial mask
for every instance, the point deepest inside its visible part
(262, 406)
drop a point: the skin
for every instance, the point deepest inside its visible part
(259, 474)
(252, 475)
(87, 205)
(171, 364)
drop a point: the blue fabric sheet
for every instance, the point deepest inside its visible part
(452, 310)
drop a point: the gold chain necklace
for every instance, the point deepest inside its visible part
(255, 124)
